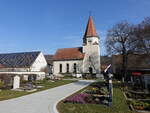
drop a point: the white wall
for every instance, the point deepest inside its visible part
(40, 63)
(14, 69)
(56, 65)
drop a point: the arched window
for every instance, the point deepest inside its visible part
(90, 70)
(67, 68)
(60, 68)
(75, 68)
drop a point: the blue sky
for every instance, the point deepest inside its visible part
(46, 25)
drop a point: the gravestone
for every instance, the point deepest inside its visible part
(16, 82)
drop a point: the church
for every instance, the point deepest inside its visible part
(82, 60)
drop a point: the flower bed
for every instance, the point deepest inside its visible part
(138, 99)
(78, 98)
(140, 105)
(96, 90)
(94, 94)
(138, 95)
(84, 98)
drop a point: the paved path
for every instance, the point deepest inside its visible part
(41, 102)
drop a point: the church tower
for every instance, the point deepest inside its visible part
(91, 49)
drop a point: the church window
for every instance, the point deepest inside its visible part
(60, 68)
(67, 68)
(75, 67)
(90, 70)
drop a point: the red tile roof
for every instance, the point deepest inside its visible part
(90, 29)
(69, 54)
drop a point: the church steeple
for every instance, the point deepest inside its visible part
(91, 49)
(90, 30)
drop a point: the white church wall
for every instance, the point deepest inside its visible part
(71, 63)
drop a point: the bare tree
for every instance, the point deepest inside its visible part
(118, 42)
(141, 36)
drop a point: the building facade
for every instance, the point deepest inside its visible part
(80, 60)
(138, 68)
(25, 66)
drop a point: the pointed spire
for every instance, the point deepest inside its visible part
(90, 29)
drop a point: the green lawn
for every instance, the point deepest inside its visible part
(119, 106)
(8, 94)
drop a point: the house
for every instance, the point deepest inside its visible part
(138, 67)
(25, 65)
(80, 60)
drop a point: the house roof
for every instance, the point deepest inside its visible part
(18, 60)
(90, 29)
(69, 54)
(49, 59)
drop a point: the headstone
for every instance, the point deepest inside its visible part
(16, 82)
(123, 79)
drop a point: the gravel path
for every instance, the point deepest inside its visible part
(42, 102)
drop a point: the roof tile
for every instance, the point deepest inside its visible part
(18, 60)
(69, 54)
(90, 29)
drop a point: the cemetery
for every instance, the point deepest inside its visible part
(95, 99)
(28, 87)
(137, 98)
(66, 69)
